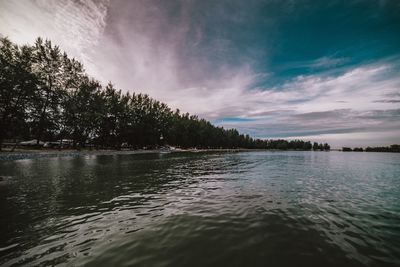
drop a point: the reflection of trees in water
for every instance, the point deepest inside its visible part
(47, 188)
(47, 191)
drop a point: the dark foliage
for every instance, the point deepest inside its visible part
(392, 148)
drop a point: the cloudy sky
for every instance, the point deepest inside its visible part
(316, 70)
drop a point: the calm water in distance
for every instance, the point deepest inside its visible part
(202, 209)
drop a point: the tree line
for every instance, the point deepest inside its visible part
(393, 148)
(46, 95)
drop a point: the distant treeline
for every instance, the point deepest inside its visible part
(392, 148)
(47, 96)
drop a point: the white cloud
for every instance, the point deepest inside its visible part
(330, 107)
(356, 89)
(359, 139)
(76, 26)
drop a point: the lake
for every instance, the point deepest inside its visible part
(202, 209)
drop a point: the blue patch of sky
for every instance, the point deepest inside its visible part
(278, 133)
(357, 32)
(232, 120)
(288, 38)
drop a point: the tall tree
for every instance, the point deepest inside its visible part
(82, 109)
(47, 66)
(17, 87)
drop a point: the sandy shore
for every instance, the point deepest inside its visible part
(39, 153)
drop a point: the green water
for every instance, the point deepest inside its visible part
(202, 209)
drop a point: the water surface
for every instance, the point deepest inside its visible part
(202, 209)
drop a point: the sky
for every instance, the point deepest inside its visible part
(325, 71)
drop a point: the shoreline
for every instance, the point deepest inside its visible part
(19, 154)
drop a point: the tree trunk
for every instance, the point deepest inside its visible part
(40, 130)
(46, 103)
(15, 144)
